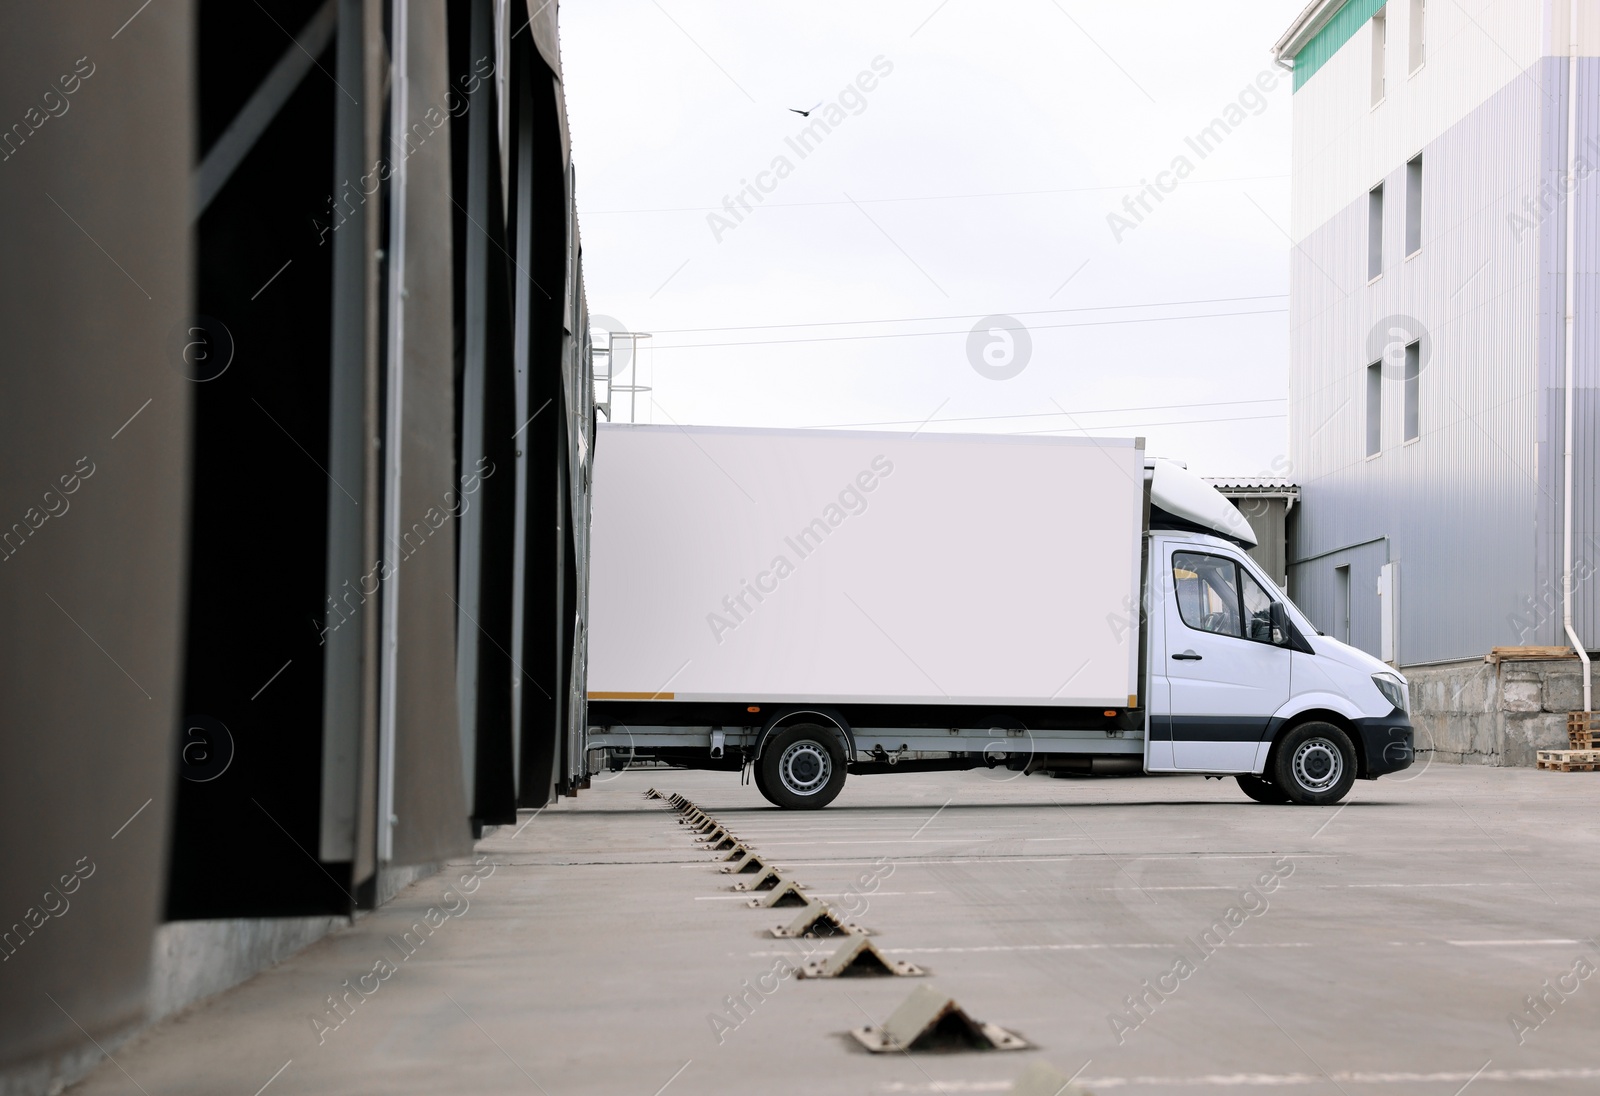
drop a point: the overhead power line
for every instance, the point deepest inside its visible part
(935, 197)
(1144, 425)
(1050, 414)
(922, 334)
(970, 315)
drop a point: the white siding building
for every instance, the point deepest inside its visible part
(1428, 317)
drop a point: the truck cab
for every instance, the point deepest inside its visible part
(1239, 680)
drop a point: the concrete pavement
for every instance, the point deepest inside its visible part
(1158, 934)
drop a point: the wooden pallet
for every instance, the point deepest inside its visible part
(1568, 761)
(1582, 731)
(1497, 655)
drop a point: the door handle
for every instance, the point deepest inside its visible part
(1186, 656)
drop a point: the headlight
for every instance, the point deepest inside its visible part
(1393, 690)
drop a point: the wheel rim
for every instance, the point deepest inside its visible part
(1318, 765)
(805, 768)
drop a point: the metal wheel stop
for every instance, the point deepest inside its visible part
(789, 893)
(819, 921)
(751, 862)
(769, 879)
(930, 1021)
(862, 959)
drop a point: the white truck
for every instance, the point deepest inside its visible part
(803, 604)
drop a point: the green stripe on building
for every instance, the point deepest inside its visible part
(1326, 42)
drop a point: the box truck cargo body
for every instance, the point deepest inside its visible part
(812, 603)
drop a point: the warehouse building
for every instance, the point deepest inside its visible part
(1443, 308)
(294, 441)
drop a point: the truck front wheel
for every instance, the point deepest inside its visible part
(1315, 764)
(801, 768)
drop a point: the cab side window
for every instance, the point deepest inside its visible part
(1208, 592)
(1216, 595)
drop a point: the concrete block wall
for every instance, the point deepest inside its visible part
(1478, 713)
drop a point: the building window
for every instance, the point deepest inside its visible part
(1375, 232)
(1374, 409)
(1414, 206)
(1419, 12)
(1380, 47)
(1413, 390)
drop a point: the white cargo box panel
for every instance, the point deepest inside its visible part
(823, 566)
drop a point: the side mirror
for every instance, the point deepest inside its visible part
(1279, 617)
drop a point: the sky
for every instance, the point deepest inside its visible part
(1011, 219)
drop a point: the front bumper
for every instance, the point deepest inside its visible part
(1386, 743)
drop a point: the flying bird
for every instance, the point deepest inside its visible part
(806, 113)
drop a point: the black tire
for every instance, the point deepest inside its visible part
(1314, 764)
(1262, 791)
(761, 784)
(801, 768)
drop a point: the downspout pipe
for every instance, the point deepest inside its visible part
(1571, 349)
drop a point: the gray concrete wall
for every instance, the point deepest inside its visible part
(1475, 713)
(192, 960)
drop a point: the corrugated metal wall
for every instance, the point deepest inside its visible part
(1342, 146)
(1345, 24)
(1470, 509)
(1269, 518)
(1545, 608)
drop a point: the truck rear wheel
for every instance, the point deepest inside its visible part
(801, 768)
(1262, 791)
(1314, 764)
(760, 782)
